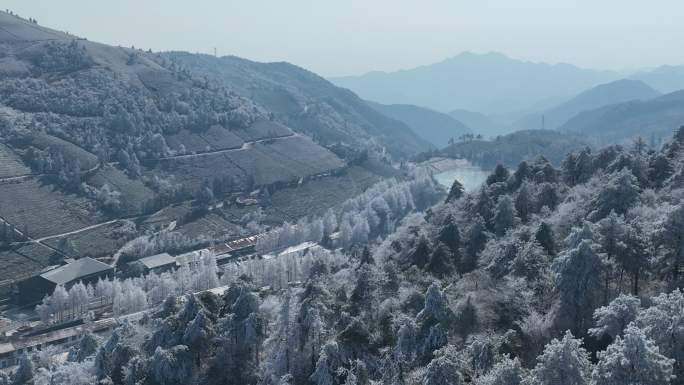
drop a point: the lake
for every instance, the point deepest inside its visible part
(470, 176)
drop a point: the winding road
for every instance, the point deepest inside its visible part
(245, 146)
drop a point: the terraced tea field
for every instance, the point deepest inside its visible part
(133, 192)
(44, 209)
(98, 242)
(10, 163)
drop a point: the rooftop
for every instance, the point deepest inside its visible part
(158, 260)
(70, 272)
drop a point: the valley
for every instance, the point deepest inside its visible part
(442, 214)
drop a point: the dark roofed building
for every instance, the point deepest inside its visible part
(86, 269)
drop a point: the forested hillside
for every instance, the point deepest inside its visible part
(100, 144)
(622, 122)
(569, 275)
(307, 102)
(513, 148)
(435, 127)
(619, 91)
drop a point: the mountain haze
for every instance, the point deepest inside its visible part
(488, 83)
(615, 92)
(617, 123)
(665, 79)
(435, 127)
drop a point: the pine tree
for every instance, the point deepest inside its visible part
(505, 372)
(366, 257)
(563, 362)
(500, 175)
(521, 174)
(477, 239)
(25, 371)
(87, 346)
(505, 215)
(577, 276)
(420, 256)
(455, 192)
(545, 237)
(450, 236)
(672, 237)
(612, 319)
(664, 324)
(619, 194)
(633, 359)
(523, 203)
(548, 197)
(484, 207)
(442, 371)
(441, 261)
(466, 319)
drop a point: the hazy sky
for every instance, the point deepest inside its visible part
(345, 37)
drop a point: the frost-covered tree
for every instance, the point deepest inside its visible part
(579, 234)
(466, 318)
(172, 366)
(72, 373)
(499, 175)
(455, 192)
(563, 362)
(25, 372)
(632, 359)
(548, 197)
(577, 276)
(523, 203)
(476, 241)
(619, 194)
(442, 371)
(663, 322)
(198, 334)
(611, 232)
(505, 215)
(672, 239)
(87, 346)
(327, 365)
(531, 261)
(546, 238)
(484, 207)
(505, 372)
(441, 261)
(420, 255)
(435, 308)
(361, 297)
(450, 236)
(612, 319)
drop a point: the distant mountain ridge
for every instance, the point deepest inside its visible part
(488, 83)
(619, 91)
(653, 119)
(435, 127)
(666, 79)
